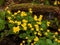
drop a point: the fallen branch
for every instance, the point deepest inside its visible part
(35, 7)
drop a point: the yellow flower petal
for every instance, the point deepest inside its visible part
(16, 29)
(36, 39)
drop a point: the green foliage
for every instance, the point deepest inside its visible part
(2, 24)
(1, 2)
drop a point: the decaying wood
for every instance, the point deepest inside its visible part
(35, 7)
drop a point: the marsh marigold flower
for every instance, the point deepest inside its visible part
(36, 25)
(36, 39)
(35, 18)
(9, 18)
(48, 23)
(39, 34)
(48, 30)
(30, 25)
(32, 43)
(25, 28)
(15, 13)
(23, 13)
(32, 29)
(29, 40)
(30, 10)
(18, 11)
(55, 3)
(23, 25)
(56, 33)
(11, 21)
(58, 41)
(16, 29)
(19, 22)
(39, 23)
(35, 32)
(41, 29)
(8, 11)
(40, 18)
(59, 29)
(24, 21)
(21, 43)
(6, 8)
(46, 33)
(37, 29)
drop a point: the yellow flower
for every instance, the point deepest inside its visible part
(54, 36)
(48, 30)
(46, 33)
(25, 28)
(19, 23)
(29, 40)
(24, 21)
(32, 29)
(9, 18)
(56, 33)
(58, 41)
(32, 43)
(16, 29)
(30, 25)
(58, 2)
(35, 18)
(6, 8)
(36, 39)
(39, 23)
(12, 15)
(16, 21)
(8, 11)
(37, 29)
(26, 37)
(18, 11)
(11, 21)
(48, 23)
(59, 30)
(41, 29)
(30, 10)
(36, 25)
(15, 13)
(23, 13)
(55, 3)
(39, 34)
(40, 18)
(21, 43)
(35, 32)
(23, 25)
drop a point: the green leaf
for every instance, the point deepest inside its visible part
(47, 2)
(49, 42)
(55, 43)
(23, 35)
(44, 25)
(42, 42)
(2, 14)
(30, 18)
(2, 24)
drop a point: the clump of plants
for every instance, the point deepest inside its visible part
(32, 29)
